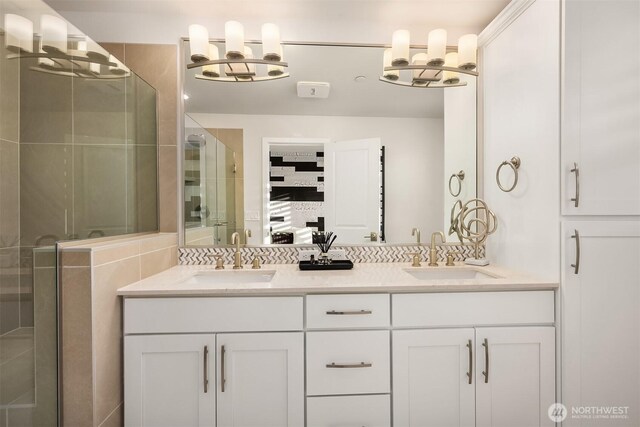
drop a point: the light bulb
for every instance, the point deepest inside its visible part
(199, 43)
(54, 34)
(271, 42)
(212, 70)
(437, 47)
(18, 33)
(467, 51)
(391, 74)
(400, 42)
(451, 77)
(234, 39)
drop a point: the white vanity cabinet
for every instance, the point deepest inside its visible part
(468, 374)
(169, 380)
(184, 356)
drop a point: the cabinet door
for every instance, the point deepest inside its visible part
(169, 380)
(601, 115)
(261, 380)
(431, 385)
(601, 319)
(515, 378)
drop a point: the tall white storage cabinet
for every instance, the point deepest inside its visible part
(601, 313)
(600, 169)
(601, 115)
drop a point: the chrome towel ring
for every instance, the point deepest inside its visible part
(514, 164)
(460, 177)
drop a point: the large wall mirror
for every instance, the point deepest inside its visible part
(370, 162)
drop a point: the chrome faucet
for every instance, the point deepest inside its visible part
(416, 232)
(433, 252)
(237, 258)
(247, 234)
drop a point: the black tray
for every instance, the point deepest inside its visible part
(335, 265)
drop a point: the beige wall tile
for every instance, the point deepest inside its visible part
(107, 332)
(160, 241)
(115, 252)
(156, 64)
(77, 364)
(168, 182)
(44, 257)
(44, 281)
(9, 95)
(76, 257)
(9, 289)
(116, 419)
(9, 194)
(154, 262)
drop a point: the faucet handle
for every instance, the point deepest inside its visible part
(415, 259)
(219, 261)
(255, 264)
(450, 260)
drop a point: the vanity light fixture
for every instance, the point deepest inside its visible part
(56, 51)
(435, 67)
(239, 63)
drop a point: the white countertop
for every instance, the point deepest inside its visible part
(191, 280)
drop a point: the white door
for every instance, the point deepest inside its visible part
(169, 380)
(515, 376)
(601, 115)
(352, 189)
(260, 380)
(601, 319)
(433, 381)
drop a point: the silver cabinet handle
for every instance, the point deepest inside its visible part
(470, 373)
(576, 266)
(348, 312)
(223, 380)
(485, 344)
(206, 369)
(576, 170)
(349, 365)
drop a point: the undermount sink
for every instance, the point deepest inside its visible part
(231, 277)
(442, 273)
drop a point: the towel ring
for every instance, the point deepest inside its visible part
(460, 176)
(514, 164)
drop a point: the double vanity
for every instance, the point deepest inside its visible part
(382, 344)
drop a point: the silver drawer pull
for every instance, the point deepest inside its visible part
(349, 365)
(343, 313)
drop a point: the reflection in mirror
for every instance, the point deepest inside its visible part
(370, 161)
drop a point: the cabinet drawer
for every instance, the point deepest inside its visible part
(348, 362)
(348, 311)
(473, 309)
(370, 411)
(184, 315)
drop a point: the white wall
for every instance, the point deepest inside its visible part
(414, 161)
(521, 74)
(459, 143)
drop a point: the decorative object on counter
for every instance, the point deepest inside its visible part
(288, 254)
(460, 177)
(514, 164)
(433, 67)
(475, 222)
(324, 262)
(239, 62)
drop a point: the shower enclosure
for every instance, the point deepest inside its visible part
(78, 159)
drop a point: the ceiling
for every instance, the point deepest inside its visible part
(362, 21)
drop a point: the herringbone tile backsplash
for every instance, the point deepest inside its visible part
(289, 254)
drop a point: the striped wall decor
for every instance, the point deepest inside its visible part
(289, 254)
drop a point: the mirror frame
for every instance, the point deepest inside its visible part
(181, 135)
